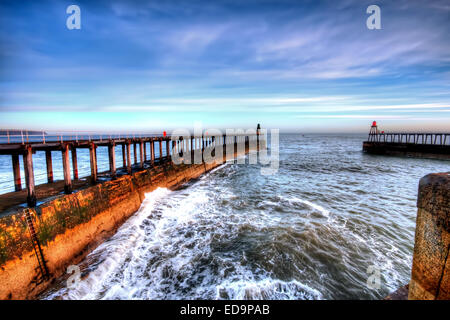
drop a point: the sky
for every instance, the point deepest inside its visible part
(298, 66)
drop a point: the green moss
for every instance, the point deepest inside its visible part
(60, 218)
(46, 232)
(83, 215)
(3, 254)
(5, 237)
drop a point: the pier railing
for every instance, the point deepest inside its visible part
(24, 136)
(411, 138)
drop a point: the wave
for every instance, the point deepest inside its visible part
(266, 289)
(101, 264)
(317, 207)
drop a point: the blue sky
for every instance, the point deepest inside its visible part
(304, 66)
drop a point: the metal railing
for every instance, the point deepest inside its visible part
(25, 136)
(411, 138)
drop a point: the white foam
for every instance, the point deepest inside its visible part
(266, 289)
(322, 210)
(114, 252)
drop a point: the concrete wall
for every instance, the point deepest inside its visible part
(430, 276)
(408, 149)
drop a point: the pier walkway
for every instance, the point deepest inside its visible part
(25, 145)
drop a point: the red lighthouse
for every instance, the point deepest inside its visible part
(373, 134)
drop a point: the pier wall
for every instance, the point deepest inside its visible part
(71, 226)
(430, 275)
(408, 149)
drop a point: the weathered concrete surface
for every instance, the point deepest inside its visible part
(11, 202)
(441, 152)
(71, 226)
(430, 276)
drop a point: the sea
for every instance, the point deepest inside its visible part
(331, 223)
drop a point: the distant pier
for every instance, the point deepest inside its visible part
(418, 145)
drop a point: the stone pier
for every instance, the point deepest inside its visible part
(430, 275)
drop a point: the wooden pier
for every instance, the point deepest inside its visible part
(68, 148)
(420, 145)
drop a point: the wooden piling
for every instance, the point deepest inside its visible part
(128, 157)
(74, 163)
(152, 150)
(145, 151)
(16, 172)
(29, 176)
(124, 157)
(180, 148)
(168, 149)
(48, 160)
(95, 151)
(224, 146)
(258, 132)
(135, 153)
(141, 153)
(112, 159)
(160, 150)
(66, 169)
(192, 149)
(93, 160)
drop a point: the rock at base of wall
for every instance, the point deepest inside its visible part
(400, 294)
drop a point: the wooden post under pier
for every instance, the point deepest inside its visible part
(141, 153)
(93, 161)
(66, 169)
(112, 159)
(74, 163)
(168, 149)
(192, 149)
(152, 150)
(258, 132)
(128, 156)
(124, 157)
(160, 150)
(135, 152)
(29, 176)
(16, 172)
(48, 160)
(145, 151)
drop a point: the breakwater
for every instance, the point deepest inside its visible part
(70, 226)
(417, 145)
(408, 149)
